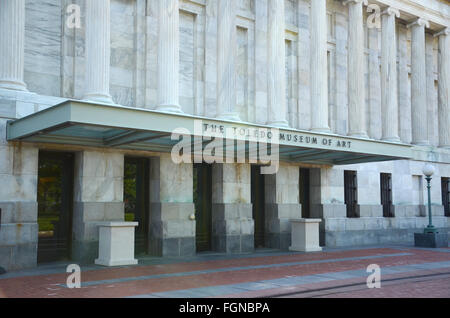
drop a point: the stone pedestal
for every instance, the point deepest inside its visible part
(305, 235)
(116, 244)
(431, 240)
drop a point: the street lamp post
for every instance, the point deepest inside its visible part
(428, 171)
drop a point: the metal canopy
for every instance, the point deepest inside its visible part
(110, 126)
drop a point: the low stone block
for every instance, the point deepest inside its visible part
(431, 240)
(305, 235)
(116, 244)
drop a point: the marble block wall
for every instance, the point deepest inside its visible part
(232, 221)
(98, 197)
(18, 203)
(282, 205)
(172, 232)
(55, 60)
(409, 200)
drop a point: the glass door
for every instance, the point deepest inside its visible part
(55, 204)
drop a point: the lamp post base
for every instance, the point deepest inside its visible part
(430, 229)
(431, 239)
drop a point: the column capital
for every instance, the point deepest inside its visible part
(391, 11)
(364, 2)
(419, 22)
(443, 32)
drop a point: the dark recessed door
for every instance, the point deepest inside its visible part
(445, 187)
(258, 201)
(136, 199)
(304, 193)
(203, 206)
(351, 193)
(55, 204)
(386, 194)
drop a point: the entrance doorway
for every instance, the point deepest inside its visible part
(55, 206)
(258, 202)
(136, 198)
(203, 206)
(304, 187)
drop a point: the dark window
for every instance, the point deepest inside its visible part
(136, 199)
(258, 201)
(351, 193)
(446, 195)
(386, 195)
(203, 206)
(304, 186)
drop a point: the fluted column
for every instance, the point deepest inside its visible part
(168, 56)
(12, 29)
(356, 60)
(226, 76)
(277, 64)
(418, 83)
(319, 67)
(98, 51)
(389, 90)
(444, 88)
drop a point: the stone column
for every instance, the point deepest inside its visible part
(418, 83)
(282, 205)
(168, 56)
(444, 88)
(356, 60)
(232, 221)
(389, 91)
(319, 67)
(171, 230)
(98, 51)
(277, 65)
(226, 56)
(98, 197)
(12, 29)
(327, 203)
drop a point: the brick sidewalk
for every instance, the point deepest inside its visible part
(246, 276)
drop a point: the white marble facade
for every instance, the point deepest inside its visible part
(325, 62)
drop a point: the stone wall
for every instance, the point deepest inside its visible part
(233, 226)
(172, 232)
(371, 227)
(282, 205)
(98, 197)
(18, 195)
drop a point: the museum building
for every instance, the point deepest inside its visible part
(356, 92)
